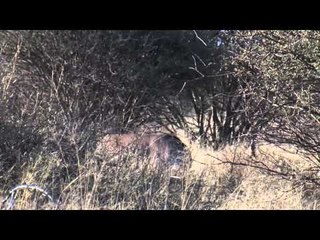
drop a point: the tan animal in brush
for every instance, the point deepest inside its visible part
(164, 151)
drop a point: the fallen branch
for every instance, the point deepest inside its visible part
(10, 199)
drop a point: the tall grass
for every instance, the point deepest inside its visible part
(225, 179)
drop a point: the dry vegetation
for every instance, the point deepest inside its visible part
(63, 91)
(276, 179)
(224, 179)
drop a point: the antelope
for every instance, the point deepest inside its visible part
(165, 151)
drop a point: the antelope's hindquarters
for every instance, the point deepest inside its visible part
(113, 144)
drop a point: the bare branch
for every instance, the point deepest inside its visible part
(12, 194)
(199, 38)
(184, 84)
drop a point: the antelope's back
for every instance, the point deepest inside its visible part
(164, 150)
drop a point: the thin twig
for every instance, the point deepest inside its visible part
(199, 38)
(13, 192)
(184, 84)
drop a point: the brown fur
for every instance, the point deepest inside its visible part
(164, 150)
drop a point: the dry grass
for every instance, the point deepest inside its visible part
(279, 178)
(276, 179)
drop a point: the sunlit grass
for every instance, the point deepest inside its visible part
(225, 179)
